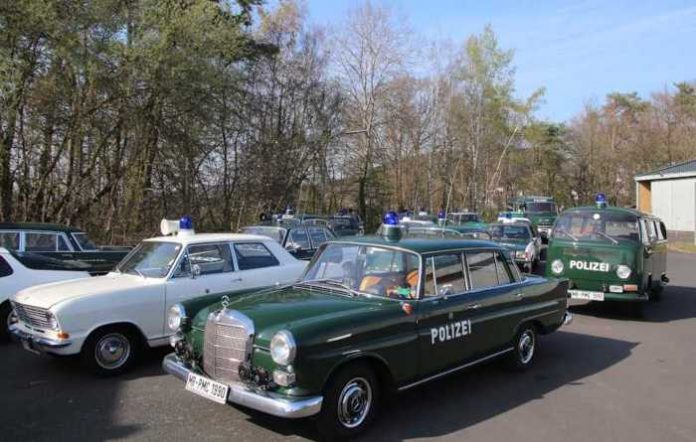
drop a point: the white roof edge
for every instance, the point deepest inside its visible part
(666, 176)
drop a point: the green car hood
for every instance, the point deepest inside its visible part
(304, 311)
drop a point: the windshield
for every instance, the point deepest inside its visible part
(275, 233)
(541, 207)
(150, 259)
(597, 226)
(84, 242)
(461, 218)
(510, 231)
(367, 269)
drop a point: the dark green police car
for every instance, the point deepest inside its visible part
(370, 316)
(609, 254)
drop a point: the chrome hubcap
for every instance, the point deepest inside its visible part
(526, 346)
(112, 351)
(354, 403)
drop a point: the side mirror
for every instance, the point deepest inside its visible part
(195, 271)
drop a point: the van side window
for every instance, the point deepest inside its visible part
(5, 269)
(663, 230)
(482, 269)
(658, 230)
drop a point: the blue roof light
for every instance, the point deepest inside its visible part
(601, 200)
(391, 218)
(185, 223)
(441, 214)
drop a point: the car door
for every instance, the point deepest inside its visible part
(202, 270)
(448, 315)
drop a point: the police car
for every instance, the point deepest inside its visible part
(109, 319)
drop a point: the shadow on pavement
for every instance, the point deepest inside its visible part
(461, 400)
(43, 392)
(676, 303)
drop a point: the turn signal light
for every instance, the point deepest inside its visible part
(63, 335)
(630, 287)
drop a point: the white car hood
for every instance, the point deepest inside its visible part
(48, 295)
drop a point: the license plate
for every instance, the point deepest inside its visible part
(27, 346)
(584, 294)
(208, 388)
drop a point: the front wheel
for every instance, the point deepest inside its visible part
(110, 351)
(350, 403)
(524, 348)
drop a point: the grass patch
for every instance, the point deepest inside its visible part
(682, 246)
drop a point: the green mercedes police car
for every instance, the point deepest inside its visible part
(371, 315)
(609, 254)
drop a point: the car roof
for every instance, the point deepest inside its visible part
(421, 246)
(607, 209)
(209, 237)
(48, 227)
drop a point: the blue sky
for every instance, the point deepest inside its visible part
(578, 50)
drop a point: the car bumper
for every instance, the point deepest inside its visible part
(38, 344)
(267, 402)
(567, 318)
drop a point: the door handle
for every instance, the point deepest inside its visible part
(519, 296)
(236, 280)
(473, 306)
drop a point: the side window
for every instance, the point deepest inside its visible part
(298, 238)
(5, 269)
(644, 232)
(317, 235)
(482, 269)
(254, 255)
(504, 276)
(9, 240)
(444, 275)
(62, 244)
(658, 230)
(211, 258)
(663, 230)
(651, 229)
(40, 242)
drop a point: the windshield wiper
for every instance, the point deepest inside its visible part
(609, 237)
(565, 232)
(332, 282)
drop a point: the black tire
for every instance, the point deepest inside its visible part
(111, 350)
(5, 313)
(352, 394)
(524, 348)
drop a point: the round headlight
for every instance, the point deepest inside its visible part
(623, 271)
(557, 267)
(283, 348)
(176, 316)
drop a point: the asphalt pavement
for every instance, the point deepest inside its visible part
(605, 377)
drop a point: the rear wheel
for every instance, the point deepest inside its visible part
(350, 403)
(524, 348)
(7, 318)
(110, 351)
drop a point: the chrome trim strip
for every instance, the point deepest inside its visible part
(455, 369)
(338, 338)
(267, 402)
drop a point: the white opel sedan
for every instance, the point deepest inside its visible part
(108, 319)
(17, 273)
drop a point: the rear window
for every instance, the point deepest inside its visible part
(5, 269)
(483, 271)
(254, 256)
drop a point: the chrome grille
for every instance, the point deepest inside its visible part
(32, 316)
(227, 343)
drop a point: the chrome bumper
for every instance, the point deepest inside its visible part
(267, 402)
(36, 343)
(567, 318)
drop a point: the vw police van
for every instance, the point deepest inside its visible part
(609, 254)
